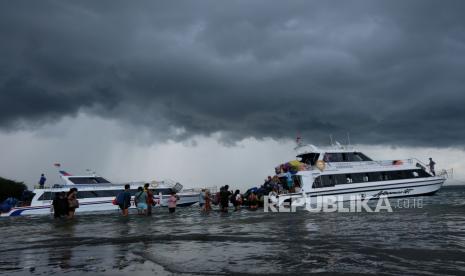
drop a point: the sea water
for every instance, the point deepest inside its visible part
(425, 239)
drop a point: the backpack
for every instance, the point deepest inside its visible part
(232, 199)
(136, 198)
(120, 199)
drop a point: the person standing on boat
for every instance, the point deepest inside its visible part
(172, 201)
(431, 166)
(42, 181)
(150, 201)
(290, 182)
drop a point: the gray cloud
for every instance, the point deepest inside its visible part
(387, 72)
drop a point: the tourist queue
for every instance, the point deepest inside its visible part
(65, 204)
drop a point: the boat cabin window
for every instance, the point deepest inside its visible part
(358, 177)
(309, 158)
(358, 157)
(385, 176)
(163, 191)
(88, 180)
(324, 181)
(375, 176)
(106, 193)
(333, 157)
(345, 157)
(420, 173)
(88, 194)
(339, 179)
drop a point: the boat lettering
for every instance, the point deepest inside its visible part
(380, 193)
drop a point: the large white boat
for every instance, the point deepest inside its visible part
(347, 174)
(96, 193)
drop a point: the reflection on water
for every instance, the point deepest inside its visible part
(407, 241)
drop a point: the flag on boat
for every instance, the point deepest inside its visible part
(65, 173)
(57, 165)
(298, 140)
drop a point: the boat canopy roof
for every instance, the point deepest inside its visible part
(303, 149)
(309, 154)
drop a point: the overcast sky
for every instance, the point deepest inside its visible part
(213, 93)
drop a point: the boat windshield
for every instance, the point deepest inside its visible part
(309, 158)
(88, 180)
(345, 157)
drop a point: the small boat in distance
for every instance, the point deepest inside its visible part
(96, 193)
(347, 173)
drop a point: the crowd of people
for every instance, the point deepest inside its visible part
(227, 198)
(143, 200)
(65, 203)
(281, 183)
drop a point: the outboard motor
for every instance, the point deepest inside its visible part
(177, 188)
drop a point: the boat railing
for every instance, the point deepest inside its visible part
(93, 186)
(446, 173)
(371, 164)
(212, 189)
(41, 187)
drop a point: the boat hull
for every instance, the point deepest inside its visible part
(375, 190)
(91, 206)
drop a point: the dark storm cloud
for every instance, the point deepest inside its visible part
(387, 72)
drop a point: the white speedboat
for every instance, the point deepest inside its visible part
(347, 174)
(96, 193)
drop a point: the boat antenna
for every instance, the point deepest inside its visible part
(298, 141)
(348, 139)
(90, 171)
(331, 139)
(57, 165)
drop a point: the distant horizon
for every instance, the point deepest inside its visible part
(245, 181)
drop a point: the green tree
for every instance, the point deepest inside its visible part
(10, 188)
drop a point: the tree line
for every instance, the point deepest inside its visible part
(11, 188)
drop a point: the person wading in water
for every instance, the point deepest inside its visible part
(73, 203)
(172, 201)
(150, 201)
(123, 199)
(224, 198)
